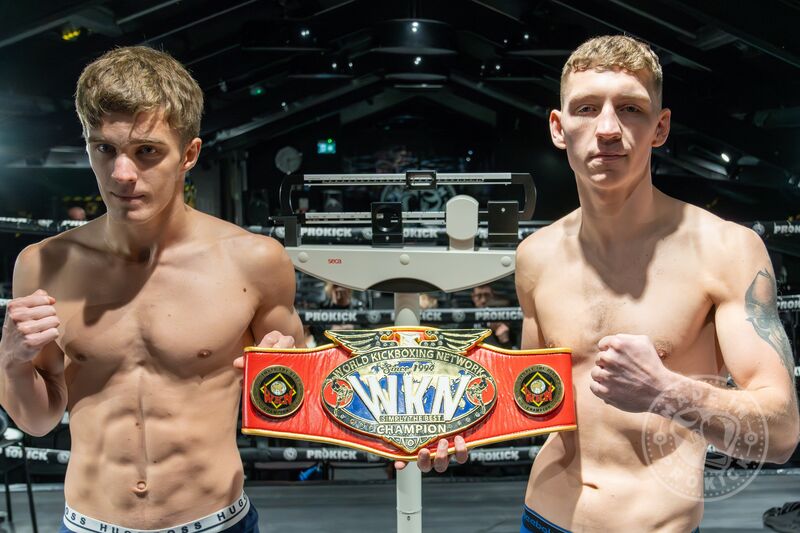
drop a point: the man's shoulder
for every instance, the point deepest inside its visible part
(234, 239)
(729, 253)
(543, 247)
(547, 238)
(60, 245)
(719, 237)
(38, 263)
(255, 254)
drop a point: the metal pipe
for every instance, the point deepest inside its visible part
(147, 11)
(198, 21)
(409, 479)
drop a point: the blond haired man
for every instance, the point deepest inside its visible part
(649, 292)
(133, 321)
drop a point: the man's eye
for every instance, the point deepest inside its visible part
(630, 109)
(147, 150)
(105, 148)
(584, 109)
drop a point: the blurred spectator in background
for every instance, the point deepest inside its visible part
(338, 297)
(428, 300)
(502, 334)
(76, 212)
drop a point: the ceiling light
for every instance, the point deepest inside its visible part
(69, 33)
(278, 36)
(419, 69)
(725, 157)
(427, 37)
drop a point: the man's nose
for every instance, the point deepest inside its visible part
(608, 126)
(124, 169)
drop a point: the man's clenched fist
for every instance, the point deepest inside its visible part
(31, 324)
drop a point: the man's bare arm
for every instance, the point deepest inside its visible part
(525, 276)
(276, 281)
(32, 386)
(761, 305)
(756, 352)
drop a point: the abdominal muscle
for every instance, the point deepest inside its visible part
(151, 451)
(599, 479)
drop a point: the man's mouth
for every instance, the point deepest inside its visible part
(608, 155)
(127, 197)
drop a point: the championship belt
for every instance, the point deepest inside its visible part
(393, 391)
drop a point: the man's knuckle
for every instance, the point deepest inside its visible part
(30, 344)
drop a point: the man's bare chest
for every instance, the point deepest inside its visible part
(172, 318)
(577, 306)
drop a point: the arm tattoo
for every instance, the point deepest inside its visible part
(760, 303)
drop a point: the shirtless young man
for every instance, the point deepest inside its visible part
(649, 292)
(133, 321)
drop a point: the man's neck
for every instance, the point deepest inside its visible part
(611, 217)
(144, 242)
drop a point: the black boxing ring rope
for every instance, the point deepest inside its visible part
(483, 315)
(767, 229)
(509, 455)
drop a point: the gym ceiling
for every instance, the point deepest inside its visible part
(272, 67)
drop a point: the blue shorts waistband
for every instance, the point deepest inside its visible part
(533, 522)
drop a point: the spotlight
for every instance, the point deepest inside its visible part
(725, 157)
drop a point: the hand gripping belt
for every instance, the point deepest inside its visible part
(393, 391)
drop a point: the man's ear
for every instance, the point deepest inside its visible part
(556, 131)
(662, 128)
(191, 154)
